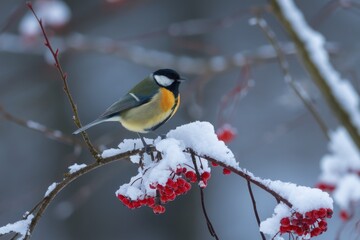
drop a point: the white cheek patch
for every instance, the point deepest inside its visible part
(163, 80)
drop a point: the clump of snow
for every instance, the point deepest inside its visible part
(344, 157)
(340, 168)
(54, 13)
(347, 191)
(201, 137)
(35, 126)
(271, 225)
(314, 42)
(21, 227)
(76, 167)
(50, 189)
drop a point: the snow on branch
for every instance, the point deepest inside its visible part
(339, 93)
(20, 227)
(161, 180)
(182, 159)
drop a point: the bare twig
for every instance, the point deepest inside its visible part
(39, 210)
(255, 208)
(208, 221)
(284, 65)
(46, 131)
(247, 177)
(63, 75)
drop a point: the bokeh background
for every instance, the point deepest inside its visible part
(107, 47)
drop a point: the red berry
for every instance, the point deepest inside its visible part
(285, 221)
(187, 186)
(322, 213)
(190, 175)
(226, 133)
(325, 187)
(226, 171)
(150, 202)
(171, 183)
(205, 176)
(284, 229)
(180, 182)
(322, 225)
(121, 197)
(158, 209)
(298, 215)
(298, 230)
(315, 232)
(214, 164)
(344, 215)
(329, 213)
(315, 214)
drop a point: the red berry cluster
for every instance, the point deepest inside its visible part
(312, 223)
(325, 187)
(176, 185)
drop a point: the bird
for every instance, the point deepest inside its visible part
(147, 106)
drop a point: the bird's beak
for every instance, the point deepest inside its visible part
(182, 79)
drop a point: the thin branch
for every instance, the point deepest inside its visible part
(255, 208)
(284, 65)
(208, 221)
(47, 132)
(247, 177)
(63, 75)
(40, 209)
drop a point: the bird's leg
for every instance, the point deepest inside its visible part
(146, 146)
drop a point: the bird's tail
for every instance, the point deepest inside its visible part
(89, 125)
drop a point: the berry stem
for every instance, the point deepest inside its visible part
(255, 208)
(208, 222)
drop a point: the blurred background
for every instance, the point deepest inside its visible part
(106, 46)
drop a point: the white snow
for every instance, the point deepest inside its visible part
(54, 13)
(343, 158)
(271, 225)
(35, 125)
(76, 167)
(343, 91)
(20, 227)
(201, 137)
(347, 191)
(50, 189)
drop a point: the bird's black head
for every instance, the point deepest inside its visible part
(168, 79)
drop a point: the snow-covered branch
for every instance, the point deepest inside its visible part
(339, 93)
(172, 171)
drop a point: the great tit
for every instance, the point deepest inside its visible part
(147, 106)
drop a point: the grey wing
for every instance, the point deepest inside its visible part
(125, 103)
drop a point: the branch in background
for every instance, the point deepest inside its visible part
(47, 132)
(310, 45)
(151, 57)
(13, 17)
(63, 75)
(284, 65)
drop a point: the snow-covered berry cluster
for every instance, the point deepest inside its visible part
(178, 183)
(311, 224)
